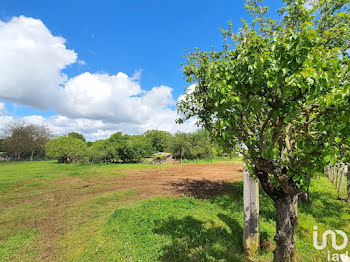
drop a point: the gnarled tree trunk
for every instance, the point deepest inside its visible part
(285, 198)
(286, 222)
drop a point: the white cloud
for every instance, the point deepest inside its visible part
(2, 109)
(98, 129)
(81, 62)
(115, 98)
(96, 104)
(31, 62)
(4, 123)
(189, 90)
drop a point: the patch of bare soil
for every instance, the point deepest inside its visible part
(197, 180)
(176, 181)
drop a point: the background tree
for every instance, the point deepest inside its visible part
(201, 145)
(180, 146)
(1, 145)
(22, 138)
(39, 135)
(77, 136)
(102, 151)
(16, 139)
(158, 139)
(338, 144)
(119, 143)
(269, 89)
(67, 148)
(134, 149)
(197, 145)
(129, 148)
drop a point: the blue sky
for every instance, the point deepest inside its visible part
(148, 37)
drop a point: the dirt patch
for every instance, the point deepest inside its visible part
(183, 180)
(62, 202)
(173, 181)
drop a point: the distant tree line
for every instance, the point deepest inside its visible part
(23, 141)
(124, 148)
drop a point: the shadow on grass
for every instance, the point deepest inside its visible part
(193, 240)
(208, 226)
(327, 208)
(228, 195)
(206, 189)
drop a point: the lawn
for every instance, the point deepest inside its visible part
(54, 212)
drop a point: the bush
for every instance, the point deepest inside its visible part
(68, 149)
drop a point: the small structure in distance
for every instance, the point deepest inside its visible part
(160, 158)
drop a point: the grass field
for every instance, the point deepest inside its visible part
(136, 212)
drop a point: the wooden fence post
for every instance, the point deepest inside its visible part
(337, 174)
(339, 186)
(347, 175)
(251, 214)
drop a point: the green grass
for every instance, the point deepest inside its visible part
(234, 161)
(343, 190)
(114, 226)
(21, 241)
(13, 173)
(27, 191)
(186, 229)
(16, 247)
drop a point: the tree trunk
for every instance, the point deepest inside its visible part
(285, 200)
(286, 222)
(304, 197)
(31, 155)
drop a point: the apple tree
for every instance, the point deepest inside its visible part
(268, 88)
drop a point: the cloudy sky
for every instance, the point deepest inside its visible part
(98, 67)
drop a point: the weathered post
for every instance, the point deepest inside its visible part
(347, 175)
(339, 186)
(327, 172)
(337, 175)
(251, 214)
